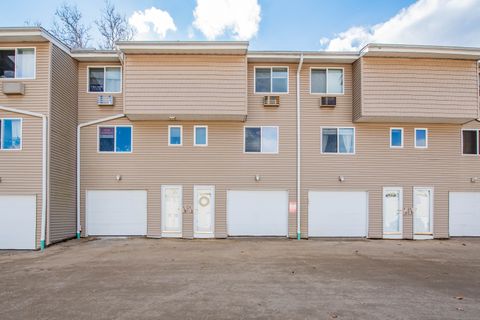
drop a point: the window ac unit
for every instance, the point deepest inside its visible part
(271, 101)
(328, 101)
(105, 100)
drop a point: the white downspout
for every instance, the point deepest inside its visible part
(86, 124)
(299, 235)
(44, 168)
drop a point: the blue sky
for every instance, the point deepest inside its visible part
(280, 24)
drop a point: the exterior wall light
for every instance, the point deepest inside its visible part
(474, 179)
(118, 177)
(257, 177)
(341, 178)
(172, 118)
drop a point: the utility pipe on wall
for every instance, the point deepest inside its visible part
(44, 167)
(86, 124)
(299, 235)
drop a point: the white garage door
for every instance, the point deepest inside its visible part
(257, 213)
(117, 213)
(464, 214)
(337, 214)
(17, 222)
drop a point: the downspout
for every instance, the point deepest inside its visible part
(44, 168)
(478, 93)
(299, 235)
(86, 124)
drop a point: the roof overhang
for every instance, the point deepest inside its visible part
(308, 57)
(420, 51)
(95, 55)
(30, 34)
(184, 47)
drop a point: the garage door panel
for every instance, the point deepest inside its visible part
(257, 213)
(464, 214)
(337, 214)
(18, 222)
(117, 212)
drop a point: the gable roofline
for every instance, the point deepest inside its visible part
(30, 34)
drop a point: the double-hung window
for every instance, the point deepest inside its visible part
(105, 79)
(17, 63)
(200, 136)
(396, 137)
(421, 138)
(261, 139)
(271, 80)
(10, 134)
(326, 80)
(470, 142)
(338, 140)
(117, 139)
(175, 135)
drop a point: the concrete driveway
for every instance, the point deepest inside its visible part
(243, 279)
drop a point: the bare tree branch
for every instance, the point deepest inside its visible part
(30, 23)
(113, 27)
(69, 27)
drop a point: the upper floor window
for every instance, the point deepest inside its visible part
(261, 139)
(17, 63)
(115, 139)
(10, 134)
(105, 79)
(421, 138)
(470, 141)
(271, 80)
(175, 135)
(338, 140)
(200, 135)
(396, 137)
(326, 80)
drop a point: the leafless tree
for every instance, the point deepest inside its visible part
(69, 27)
(113, 27)
(30, 23)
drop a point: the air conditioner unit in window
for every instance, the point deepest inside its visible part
(328, 101)
(271, 101)
(105, 100)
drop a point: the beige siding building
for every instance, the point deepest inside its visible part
(211, 140)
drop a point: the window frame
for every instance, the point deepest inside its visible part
(181, 135)
(2, 130)
(115, 138)
(104, 78)
(195, 136)
(271, 80)
(16, 54)
(338, 140)
(327, 94)
(261, 140)
(415, 138)
(478, 141)
(403, 138)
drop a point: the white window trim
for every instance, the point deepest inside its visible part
(403, 138)
(3, 130)
(195, 136)
(16, 54)
(261, 140)
(338, 140)
(415, 138)
(104, 78)
(478, 139)
(326, 79)
(271, 80)
(181, 136)
(114, 138)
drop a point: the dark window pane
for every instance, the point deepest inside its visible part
(106, 139)
(329, 140)
(7, 63)
(96, 79)
(200, 136)
(263, 80)
(421, 138)
(279, 85)
(11, 134)
(319, 81)
(252, 139)
(175, 136)
(396, 138)
(470, 142)
(123, 139)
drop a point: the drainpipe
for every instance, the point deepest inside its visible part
(44, 167)
(86, 124)
(298, 147)
(478, 95)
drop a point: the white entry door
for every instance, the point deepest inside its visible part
(172, 211)
(204, 215)
(392, 212)
(422, 213)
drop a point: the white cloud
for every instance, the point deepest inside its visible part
(151, 24)
(217, 17)
(437, 22)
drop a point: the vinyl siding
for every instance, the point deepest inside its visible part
(419, 90)
(185, 85)
(63, 124)
(21, 171)
(222, 164)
